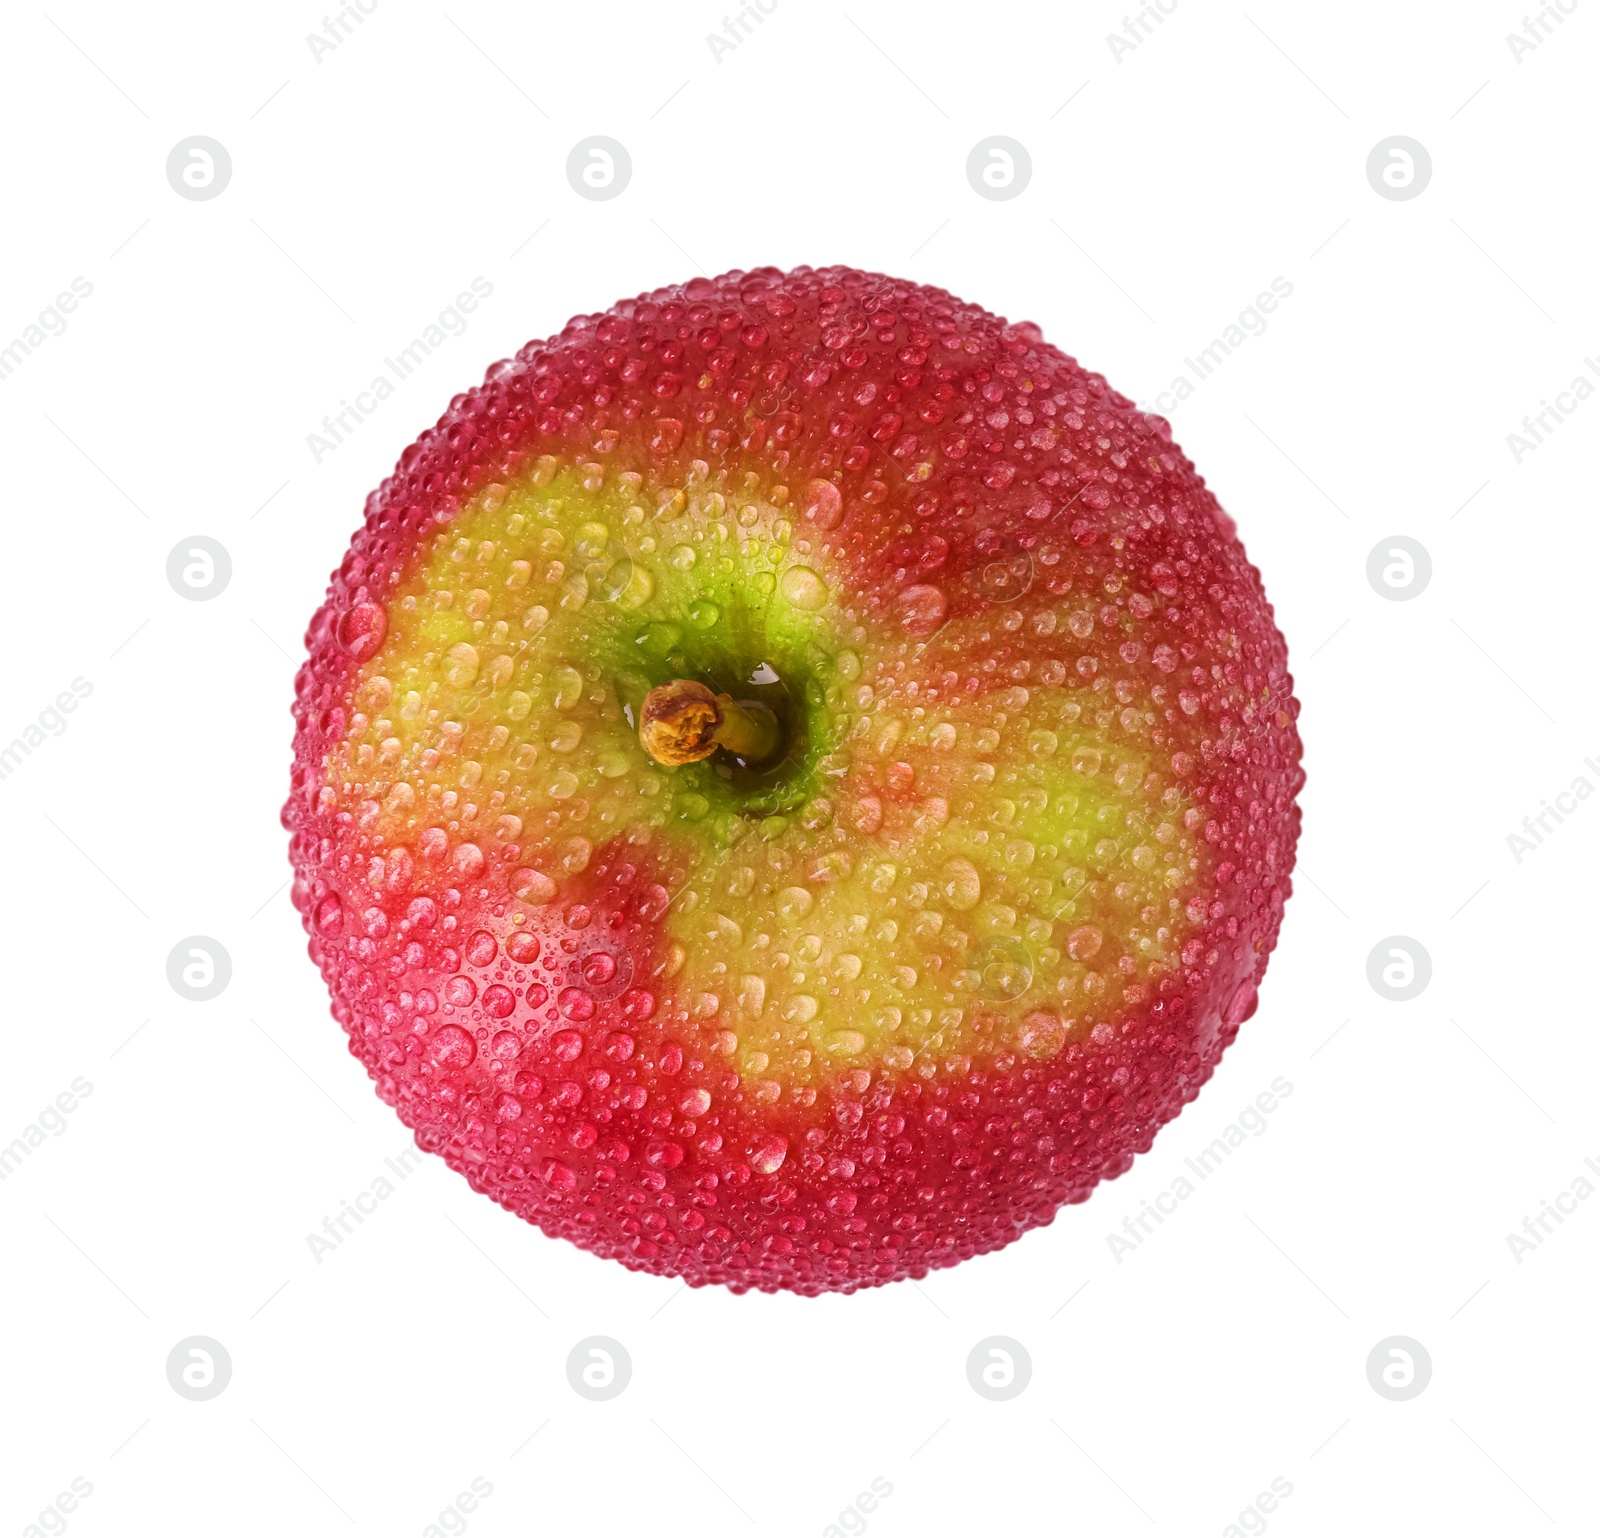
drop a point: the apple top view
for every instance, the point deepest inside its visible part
(795, 781)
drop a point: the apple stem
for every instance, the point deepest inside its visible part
(683, 722)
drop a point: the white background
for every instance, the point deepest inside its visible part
(368, 189)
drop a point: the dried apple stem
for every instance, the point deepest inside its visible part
(683, 721)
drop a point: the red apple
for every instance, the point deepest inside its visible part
(941, 866)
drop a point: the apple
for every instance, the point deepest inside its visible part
(794, 782)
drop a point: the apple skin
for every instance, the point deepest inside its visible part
(957, 960)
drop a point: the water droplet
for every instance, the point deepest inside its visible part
(804, 588)
(962, 884)
(462, 664)
(801, 1009)
(703, 613)
(794, 902)
(453, 1047)
(1084, 944)
(1042, 1034)
(823, 505)
(523, 947)
(362, 629)
(922, 609)
(568, 685)
(1242, 1005)
(767, 1157)
(532, 886)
